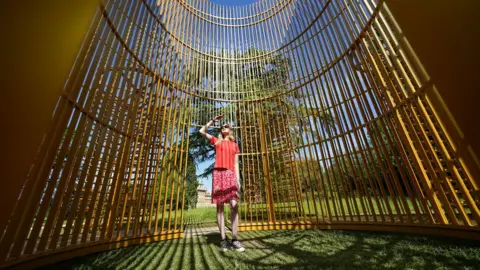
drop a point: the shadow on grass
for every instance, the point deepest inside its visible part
(299, 249)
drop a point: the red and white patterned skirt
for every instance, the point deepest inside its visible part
(224, 186)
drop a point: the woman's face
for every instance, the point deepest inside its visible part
(225, 131)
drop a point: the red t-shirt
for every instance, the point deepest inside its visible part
(225, 154)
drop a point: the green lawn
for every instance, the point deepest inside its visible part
(200, 216)
(208, 215)
(336, 205)
(298, 249)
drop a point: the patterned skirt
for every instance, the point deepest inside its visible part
(224, 186)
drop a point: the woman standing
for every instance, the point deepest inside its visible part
(225, 181)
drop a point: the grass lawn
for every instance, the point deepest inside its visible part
(258, 212)
(208, 215)
(336, 205)
(200, 216)
(298, 249)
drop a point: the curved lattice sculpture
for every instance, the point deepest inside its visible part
(328, 104)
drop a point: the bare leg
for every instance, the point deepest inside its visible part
(234, 218)
(221, 220)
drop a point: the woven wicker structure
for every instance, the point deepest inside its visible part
(328, 101)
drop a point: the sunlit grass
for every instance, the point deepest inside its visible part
(258, 212)
(200, 216)
(298, 249)
(338, 208)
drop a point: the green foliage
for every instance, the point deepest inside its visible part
(364, 169)
(309, 171)
(191, 194)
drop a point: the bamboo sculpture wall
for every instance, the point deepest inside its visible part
(328, 104)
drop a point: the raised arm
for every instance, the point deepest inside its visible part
(203, 130)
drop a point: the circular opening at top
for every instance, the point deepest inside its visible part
(234, 2)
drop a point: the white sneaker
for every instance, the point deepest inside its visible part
(236, 245)
(224, 245)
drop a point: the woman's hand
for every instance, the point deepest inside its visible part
(217, 118)
(203, 130)
(238, 186)
(238, 182)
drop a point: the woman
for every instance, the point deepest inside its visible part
(225, 181)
